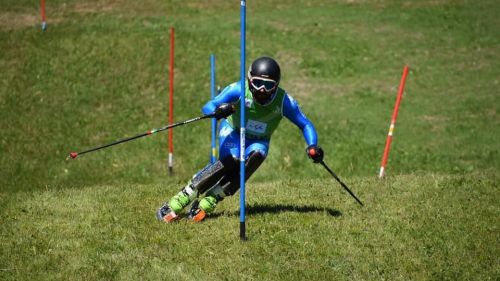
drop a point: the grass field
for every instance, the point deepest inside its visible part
(100, 72)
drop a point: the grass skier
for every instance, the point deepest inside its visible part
(266, 104)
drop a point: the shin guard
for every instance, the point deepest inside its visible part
(212, 173)
(230, 182)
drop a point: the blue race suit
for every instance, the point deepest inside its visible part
(229, 138)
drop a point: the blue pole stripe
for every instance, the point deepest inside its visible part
(212, 96)
(242, 123)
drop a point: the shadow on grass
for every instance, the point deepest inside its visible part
(274, 209)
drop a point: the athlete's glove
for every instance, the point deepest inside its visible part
(315, 153)
(224, 110)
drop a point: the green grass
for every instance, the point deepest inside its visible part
(100, 72)
(413, 227)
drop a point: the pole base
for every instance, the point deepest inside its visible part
(243, 236)
(381, 173)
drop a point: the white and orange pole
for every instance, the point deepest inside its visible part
(171, 104)
(42, 11)
(393, 122)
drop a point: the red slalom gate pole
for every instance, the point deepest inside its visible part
(171, 105)
(42, 11)
(393, 122)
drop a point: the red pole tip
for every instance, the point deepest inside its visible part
(73, 155)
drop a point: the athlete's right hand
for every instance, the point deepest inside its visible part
(224, 110)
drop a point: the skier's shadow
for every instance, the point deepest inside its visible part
(258, 209)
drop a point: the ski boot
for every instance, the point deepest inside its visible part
(200, 209)
(169, 211)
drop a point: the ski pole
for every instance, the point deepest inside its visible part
(73, 155)
(341, 183)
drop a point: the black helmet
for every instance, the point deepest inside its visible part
(263, 78)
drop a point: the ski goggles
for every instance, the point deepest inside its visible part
(262, 83)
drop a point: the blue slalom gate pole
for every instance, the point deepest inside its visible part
(242, 117)
(212, 96)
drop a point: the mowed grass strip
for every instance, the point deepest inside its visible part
(412, 228)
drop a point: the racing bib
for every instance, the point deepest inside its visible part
(256, 126)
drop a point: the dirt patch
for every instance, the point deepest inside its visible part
(294, 79)
(17, 20)
(435, 118)
(210, 5)
(14, 21)
(10, 20)
(302, 88)
(424, 4)
(99, 7)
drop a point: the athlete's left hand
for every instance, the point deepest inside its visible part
(315, 153)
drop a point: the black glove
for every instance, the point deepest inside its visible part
(224, 110)
(315, 153)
